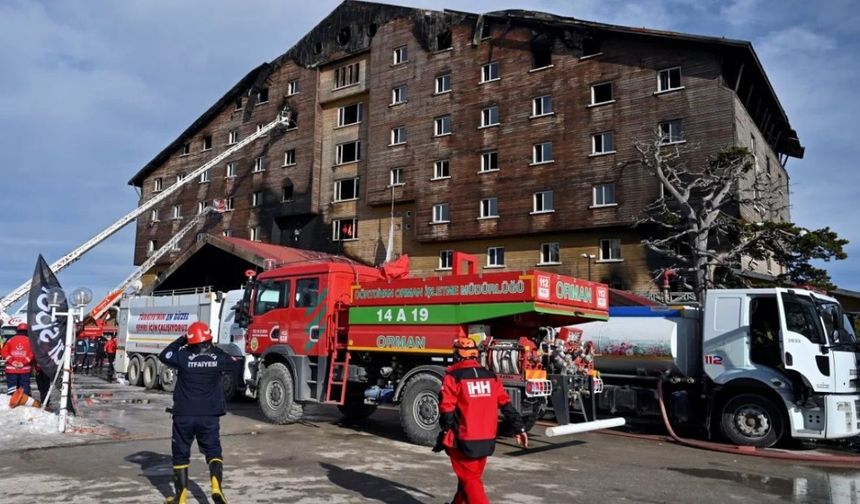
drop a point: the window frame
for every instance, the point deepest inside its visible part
(441, 79)
(338, 157)
(538, 102)
(337, 229)
(288, 154)
(487, 72)
(488, 208)
(399, 95)
(548, 247)
(341, 115)
(229, 204)
(610, 242)
(259, 164)
(439, 121)
(293, 87)
(400, 55)
(398, 136)
(541, 147)
(337, 195)
(600, 188)
(493, 257)
(254, 233)
(486, 161)
(436, 168)
(154, 215)
(343, 79)
(487, 117)
(206, 143)
(594, 102)
(440, 210)
(232, 137)
(603, 135)
(668, 71)
(256, 199)
(205, 176)
(176, 212)
(396, 177)
(284, 188)
(157, 184)
(233, 167)
(445, 256)
(667, 140)
(542, 196)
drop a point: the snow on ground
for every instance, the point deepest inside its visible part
(24, 426)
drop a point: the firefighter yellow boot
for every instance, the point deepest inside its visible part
(216, 475)
(180, 485)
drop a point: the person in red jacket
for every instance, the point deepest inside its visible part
(110, 352)
(469, 402)
(19, 359)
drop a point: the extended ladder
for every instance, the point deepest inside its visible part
(338, 371)
(283, 119)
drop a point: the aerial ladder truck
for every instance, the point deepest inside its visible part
(284, 119)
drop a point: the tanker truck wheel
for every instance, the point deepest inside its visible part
(353, 408)
(229, 383)
(419, 409)
(150, 373)
(277, 395)
(751, 420)
(133, 373)
(168, 378)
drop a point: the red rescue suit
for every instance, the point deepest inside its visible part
(469, 402)
(18, 355)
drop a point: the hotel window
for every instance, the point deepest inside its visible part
(231, 169)
(669, 79)
(446, 259)
(158, 184)
(440, 213)
(490, 72)
(671, 132)
(292, 87)
(262, 95)
(207, 142)
(400, 55)
(489, 161)
(490, 116)
(443, 83)
(495, 257)
(232, 137)
(603, 143)
(541, 106)
(346, 190)
(542, 202)
(398, 95)
(489, 208)
(350, 114)
(346, 76)
(610, 250)
(395, 177)
(398, 135)
(601, 93)
(259, 164)
(550, 253)
(442, 126)
(349, 152)
(442, 169)
(604, 195)
(344, 229)
(290, 157)
(542, 153)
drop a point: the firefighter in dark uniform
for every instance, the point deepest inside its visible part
(198, 404)
(469, 402)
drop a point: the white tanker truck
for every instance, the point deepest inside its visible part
(759, 363)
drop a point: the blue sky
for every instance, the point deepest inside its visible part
(91, 91)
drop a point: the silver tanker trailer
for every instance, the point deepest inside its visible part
(760, 364)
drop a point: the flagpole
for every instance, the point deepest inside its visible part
(67, 369)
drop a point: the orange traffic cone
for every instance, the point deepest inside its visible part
(19, 398)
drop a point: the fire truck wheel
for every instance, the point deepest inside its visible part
(353, 408)
(229, 383)
(277, 395)
(150, 373)
(419, 409)
(133, 373)
(751, 420)
(168, 378)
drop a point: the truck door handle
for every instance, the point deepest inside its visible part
(789, 361)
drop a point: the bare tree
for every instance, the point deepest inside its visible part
(708, 218)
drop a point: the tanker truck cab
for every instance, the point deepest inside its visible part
(782, 362)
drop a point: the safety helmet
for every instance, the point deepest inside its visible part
(198, 332)
(465, 348)
(22, 328)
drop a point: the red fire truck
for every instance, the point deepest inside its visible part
(339, 332)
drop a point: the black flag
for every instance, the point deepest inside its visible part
(47, 337)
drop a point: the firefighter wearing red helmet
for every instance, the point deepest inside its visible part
(198, 404)
(469, 402)
(19, 360)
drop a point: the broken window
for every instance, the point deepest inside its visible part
(207, 142)
(344, 35)
(238, 104)
(345, 190)
(262, 95)
(590, 47)
(601, 93)
(346, 75)
(348, 152)
(186, 148)
(443, 41)
(541, 55)
(287, 192)
(344, 229)
(350, 114)
(486, 30)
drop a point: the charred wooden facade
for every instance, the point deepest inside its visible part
(509, 135)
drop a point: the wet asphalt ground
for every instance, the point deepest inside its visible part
(125, 457)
